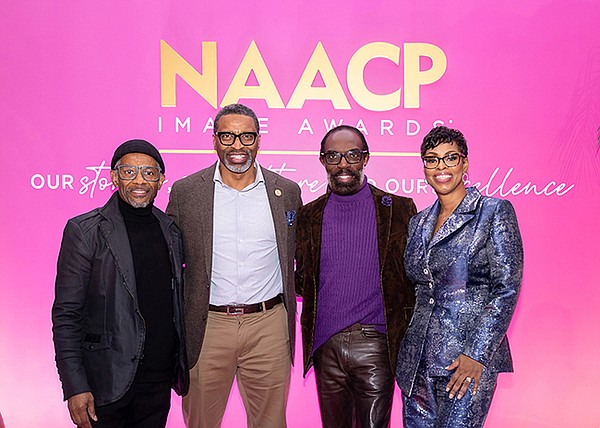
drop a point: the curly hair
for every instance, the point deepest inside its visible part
(440, 135)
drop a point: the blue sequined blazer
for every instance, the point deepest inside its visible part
(467, 279)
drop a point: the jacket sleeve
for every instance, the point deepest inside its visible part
(173, 207)
(72, 279)
(505, 254)
(298, 197)
(182, 378)
(301, 252)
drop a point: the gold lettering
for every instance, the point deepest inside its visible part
(414, 78)
(356, 81)
(172, 64)
(332, 91)
(265, 90)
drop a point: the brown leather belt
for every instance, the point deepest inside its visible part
(247, 309)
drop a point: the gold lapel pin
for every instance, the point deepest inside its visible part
(278, 192)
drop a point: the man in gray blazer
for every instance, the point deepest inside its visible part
(238, 225)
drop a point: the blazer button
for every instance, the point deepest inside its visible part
(430, 285)
(426, 271)
(431, 301)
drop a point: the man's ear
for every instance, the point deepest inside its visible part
(161, 180)
(114, 178)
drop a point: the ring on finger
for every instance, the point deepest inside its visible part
(468, 379)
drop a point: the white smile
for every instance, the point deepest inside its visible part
(442, 178)
(237, 158)
(343, 177)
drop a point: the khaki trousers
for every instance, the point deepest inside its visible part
(253, 348)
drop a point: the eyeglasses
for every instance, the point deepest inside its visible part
(228, 138)
(129, 172)
(351, 156)
(450, 160)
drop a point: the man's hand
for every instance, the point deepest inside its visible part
(467, 370)
(80, 406)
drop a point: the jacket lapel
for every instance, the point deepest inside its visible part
(316, 231)
(461, 215)
(277, 203)
(115, 234)
(165, 227)
(424, 228)
(383, 215)
(205, 199)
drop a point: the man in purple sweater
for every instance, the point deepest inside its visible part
(357, 302)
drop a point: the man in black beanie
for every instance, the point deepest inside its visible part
(117, 313)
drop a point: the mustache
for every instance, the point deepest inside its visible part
(145, 187)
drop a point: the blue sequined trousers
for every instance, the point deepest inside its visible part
(430, 407)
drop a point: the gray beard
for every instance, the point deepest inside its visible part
(239, 169)
(139, 204)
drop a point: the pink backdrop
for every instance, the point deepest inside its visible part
(521, 79)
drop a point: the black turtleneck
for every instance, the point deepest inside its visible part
(152, 269)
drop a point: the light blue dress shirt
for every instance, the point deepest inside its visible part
(245, 262)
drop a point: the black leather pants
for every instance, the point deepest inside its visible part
(355, 383)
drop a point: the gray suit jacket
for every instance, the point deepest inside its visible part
(191, 207)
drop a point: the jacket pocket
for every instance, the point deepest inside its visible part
(372, 333)
(96, 341)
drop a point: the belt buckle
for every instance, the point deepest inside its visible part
(235, 310)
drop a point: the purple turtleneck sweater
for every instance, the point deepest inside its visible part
(349, 283)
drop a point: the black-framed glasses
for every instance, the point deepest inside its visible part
(351, 156)
(129, 172)
(450, 160)
(228, 138)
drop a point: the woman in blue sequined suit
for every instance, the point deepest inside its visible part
(465, 258)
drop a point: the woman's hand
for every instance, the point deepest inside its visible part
(467, 370)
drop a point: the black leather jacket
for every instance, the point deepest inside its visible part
(97, 325)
